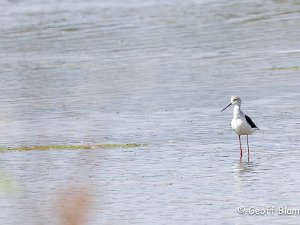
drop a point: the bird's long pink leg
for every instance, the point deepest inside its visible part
(241, 151)
(248, 149)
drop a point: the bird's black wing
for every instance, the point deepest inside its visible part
(248, 119)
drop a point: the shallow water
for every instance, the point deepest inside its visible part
(158, 73)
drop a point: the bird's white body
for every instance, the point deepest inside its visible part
(239, 123)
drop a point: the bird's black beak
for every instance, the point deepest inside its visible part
(226, 107)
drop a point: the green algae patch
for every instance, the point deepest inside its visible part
(286, 68)
(70, 147)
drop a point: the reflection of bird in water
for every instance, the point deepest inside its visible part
(241, 123)
(243, 171)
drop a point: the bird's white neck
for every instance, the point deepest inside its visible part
(236, 112)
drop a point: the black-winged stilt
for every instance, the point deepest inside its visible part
(241, 123)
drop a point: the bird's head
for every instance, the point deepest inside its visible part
(235, 100)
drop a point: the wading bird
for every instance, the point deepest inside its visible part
(241, 123)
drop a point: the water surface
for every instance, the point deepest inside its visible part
(155, 72)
